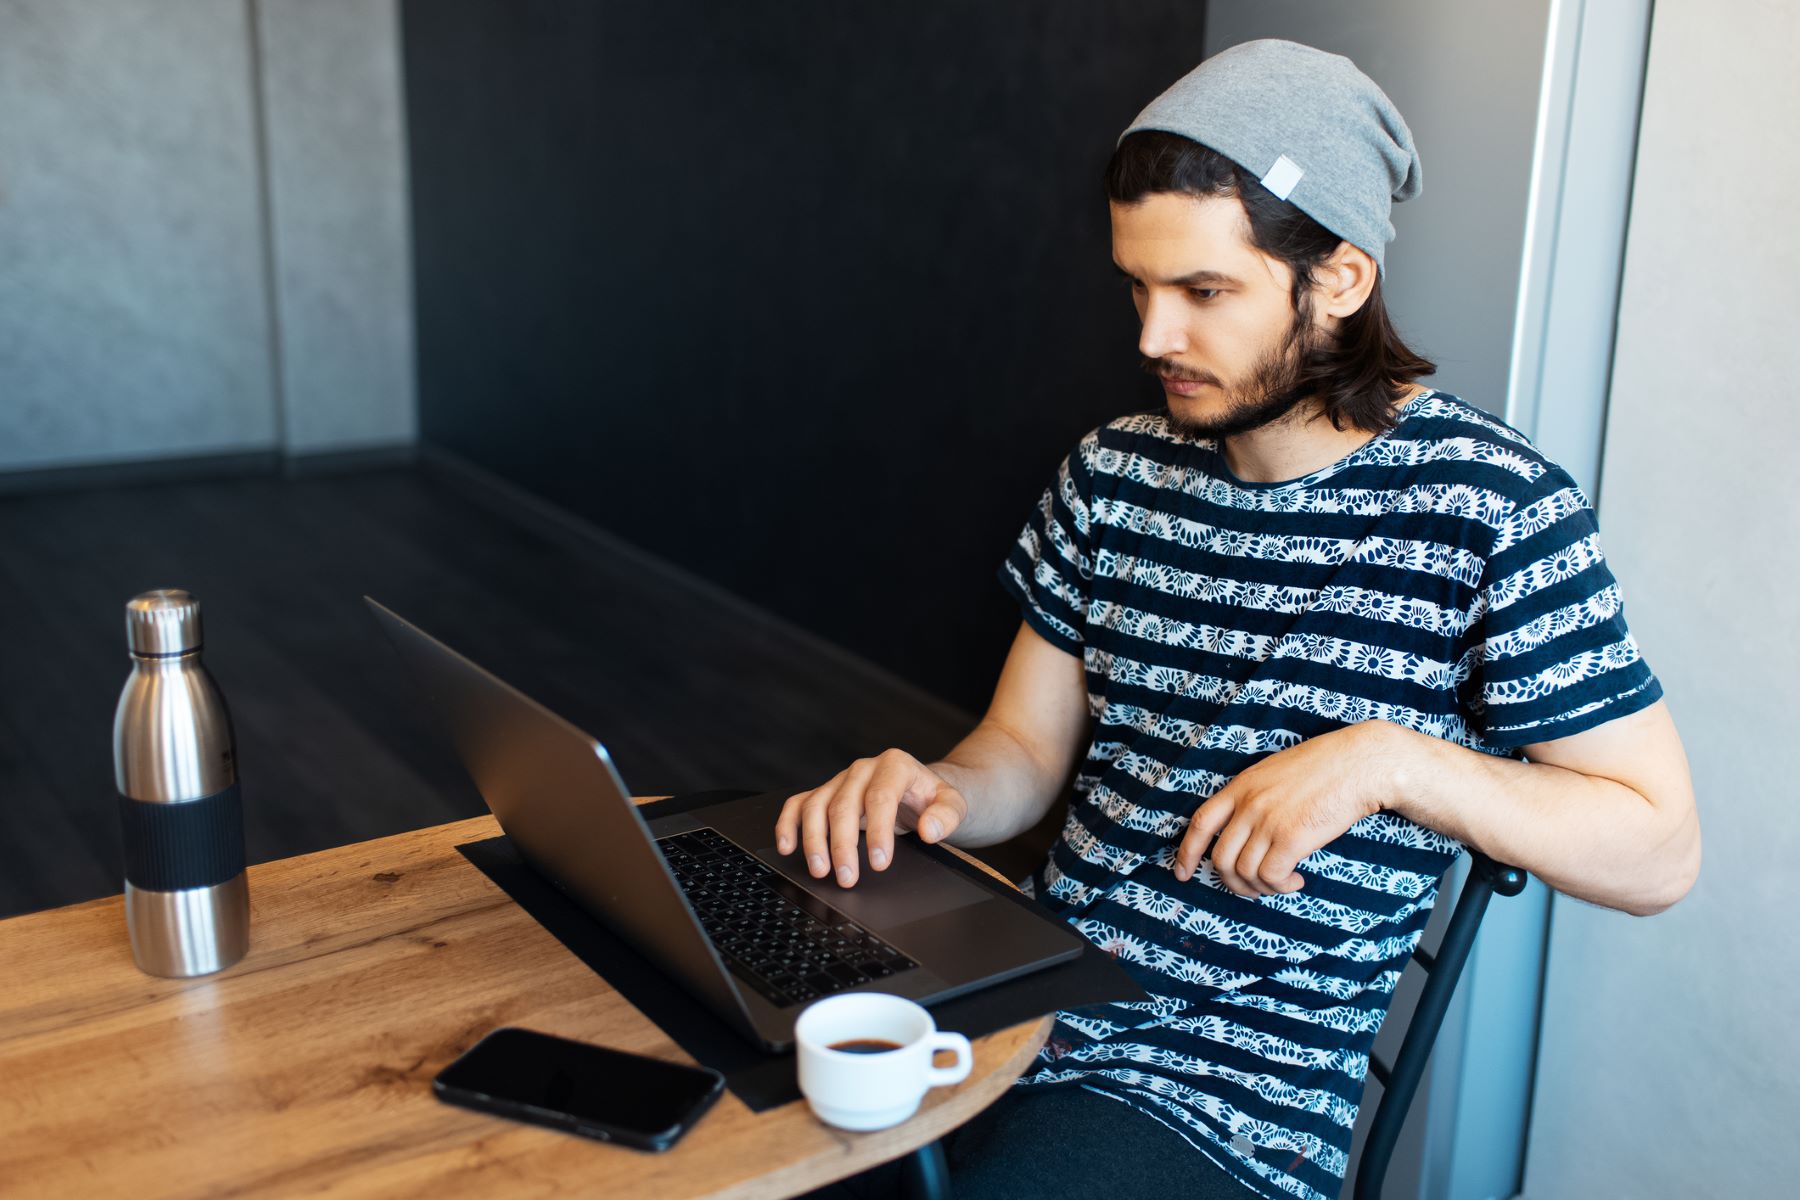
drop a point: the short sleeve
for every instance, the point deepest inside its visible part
(1050, 569)
(1556, 657)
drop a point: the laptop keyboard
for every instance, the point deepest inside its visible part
(782, 940)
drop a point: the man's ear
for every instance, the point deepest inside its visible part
(1343, 282)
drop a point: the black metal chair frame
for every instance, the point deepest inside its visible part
(1400, 1082)
(925, 1174)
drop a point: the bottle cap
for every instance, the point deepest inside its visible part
(162, 622)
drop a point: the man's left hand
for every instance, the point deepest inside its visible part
(1281, 809)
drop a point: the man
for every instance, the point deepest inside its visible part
(1317, 628)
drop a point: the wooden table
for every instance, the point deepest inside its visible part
(307, 1066)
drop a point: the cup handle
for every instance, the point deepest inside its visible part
(958, 1045)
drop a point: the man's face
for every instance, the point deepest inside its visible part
(1219, 326)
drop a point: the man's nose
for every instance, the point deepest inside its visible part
(1162, 334)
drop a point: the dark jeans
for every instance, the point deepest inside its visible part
(1062, 1141)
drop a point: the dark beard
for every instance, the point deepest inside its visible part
(1274, 387)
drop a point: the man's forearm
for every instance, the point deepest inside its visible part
(1596, 838)
(1006, 788)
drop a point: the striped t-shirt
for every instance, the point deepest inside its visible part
(1444, 576)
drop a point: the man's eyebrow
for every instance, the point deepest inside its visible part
(1205, 279)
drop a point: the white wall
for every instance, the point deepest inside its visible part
(157, 296)
(1670, 1060)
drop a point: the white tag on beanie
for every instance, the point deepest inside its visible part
(1282, 177)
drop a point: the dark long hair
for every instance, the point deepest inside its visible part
(1358, 374)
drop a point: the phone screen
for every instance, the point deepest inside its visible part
(599, 1089)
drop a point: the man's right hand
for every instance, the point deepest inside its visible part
(872, 796)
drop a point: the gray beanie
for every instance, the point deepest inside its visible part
(1315, 130)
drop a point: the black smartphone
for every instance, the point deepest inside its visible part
(572, 1086)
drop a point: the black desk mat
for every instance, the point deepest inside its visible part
(762, 1080)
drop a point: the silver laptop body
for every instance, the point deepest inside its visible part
(558, 797)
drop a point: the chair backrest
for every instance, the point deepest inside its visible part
(1401, 1081)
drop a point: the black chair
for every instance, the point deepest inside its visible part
(1401, 1081)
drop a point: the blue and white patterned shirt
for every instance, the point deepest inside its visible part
(1445, 577)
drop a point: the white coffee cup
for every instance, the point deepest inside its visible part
(872, 1088)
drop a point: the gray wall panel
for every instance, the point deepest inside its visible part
(156, 298)
(336, 144)
(1670, 1048)
(1466, 77)
(132, 317)
(1471, 81)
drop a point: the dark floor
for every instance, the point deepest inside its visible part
(689, 688)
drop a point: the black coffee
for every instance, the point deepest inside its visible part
(866, 1046)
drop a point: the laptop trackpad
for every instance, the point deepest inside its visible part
(912, 888)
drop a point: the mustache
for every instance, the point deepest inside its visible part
(1162, 368)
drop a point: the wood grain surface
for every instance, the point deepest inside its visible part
(307, 1067)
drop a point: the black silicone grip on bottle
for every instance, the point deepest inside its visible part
(196, 843)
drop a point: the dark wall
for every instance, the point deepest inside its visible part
(808, 296)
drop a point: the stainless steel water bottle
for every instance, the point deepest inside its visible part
(187, 905)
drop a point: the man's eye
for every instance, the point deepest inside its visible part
(1203, 294)
(1135, 285)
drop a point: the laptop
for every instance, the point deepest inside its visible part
(703, 893)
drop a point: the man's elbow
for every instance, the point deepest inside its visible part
(1679, 870)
